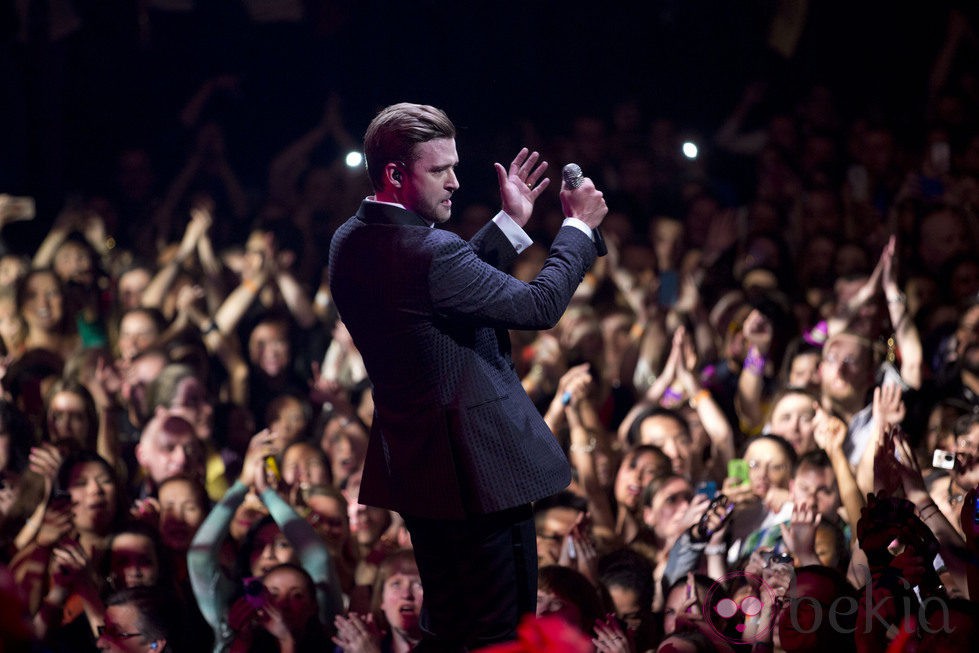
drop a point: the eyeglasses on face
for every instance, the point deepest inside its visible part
(112, 632)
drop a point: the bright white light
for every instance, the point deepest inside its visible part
(354, 159)
(690, 150)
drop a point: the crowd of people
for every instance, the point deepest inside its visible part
(768, 392)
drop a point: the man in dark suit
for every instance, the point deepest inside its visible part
(456, 445)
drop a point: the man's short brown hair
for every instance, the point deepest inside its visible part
(395, 131)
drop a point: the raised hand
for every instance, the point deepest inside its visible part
(888, 277)
(737, 491)
(578, 550)
(45, 461)
(829, 431)
(776, 497)
(695, 512)
(609, 637)
(106, 383)
(758, 331)
(574, 386)
(912, 481)
(147, 511)
(519, 187)
(689, 299)
(262, 444)
(67, 566)
(56, 523)
(357, 633)
(200, 222)
(799, 535)
(723, 233)
(888, 407)
(187, 297)
(713, 523)
(270, 618)
(93, 227)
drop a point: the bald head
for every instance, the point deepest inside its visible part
(168, 446)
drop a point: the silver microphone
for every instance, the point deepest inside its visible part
(572, 175)
(573, 178)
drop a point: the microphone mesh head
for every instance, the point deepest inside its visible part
(572, 175)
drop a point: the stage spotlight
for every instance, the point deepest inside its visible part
(354, 159)
(690, 149)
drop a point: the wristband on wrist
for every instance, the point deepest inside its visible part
(754, 362)
(636, 331)
(715, 549)
(249, 285)
(670, 396)
(701, 395)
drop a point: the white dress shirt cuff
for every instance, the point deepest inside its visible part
(580, 226)
(514, 232)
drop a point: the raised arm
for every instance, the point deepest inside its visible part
(905, 331)
(585, 442)
(312, 551)
(200, 222)
(758, 333)
(59, 232)
(462, 284)
(289, 164)
(701, 400)
(830, 433)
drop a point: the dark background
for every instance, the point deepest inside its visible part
(69, 107)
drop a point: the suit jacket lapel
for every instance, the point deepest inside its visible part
(379, 213)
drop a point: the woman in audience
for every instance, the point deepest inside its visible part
(41, 304)
(393, 624)
(277, 613)
(285, 537)
(792, 415)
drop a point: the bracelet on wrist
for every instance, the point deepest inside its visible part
(899, 298)
(931, 505)
(249, 285)
(715, 549)
(577, 447)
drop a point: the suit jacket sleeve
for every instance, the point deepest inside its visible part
(492, 246)
(462, 285)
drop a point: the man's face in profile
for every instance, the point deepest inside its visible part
(429, 180)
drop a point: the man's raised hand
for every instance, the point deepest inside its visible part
(519, 187)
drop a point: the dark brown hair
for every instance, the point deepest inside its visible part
(395, 131)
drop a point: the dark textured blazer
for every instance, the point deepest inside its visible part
(454, 433)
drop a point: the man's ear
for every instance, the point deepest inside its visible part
(393, 174)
